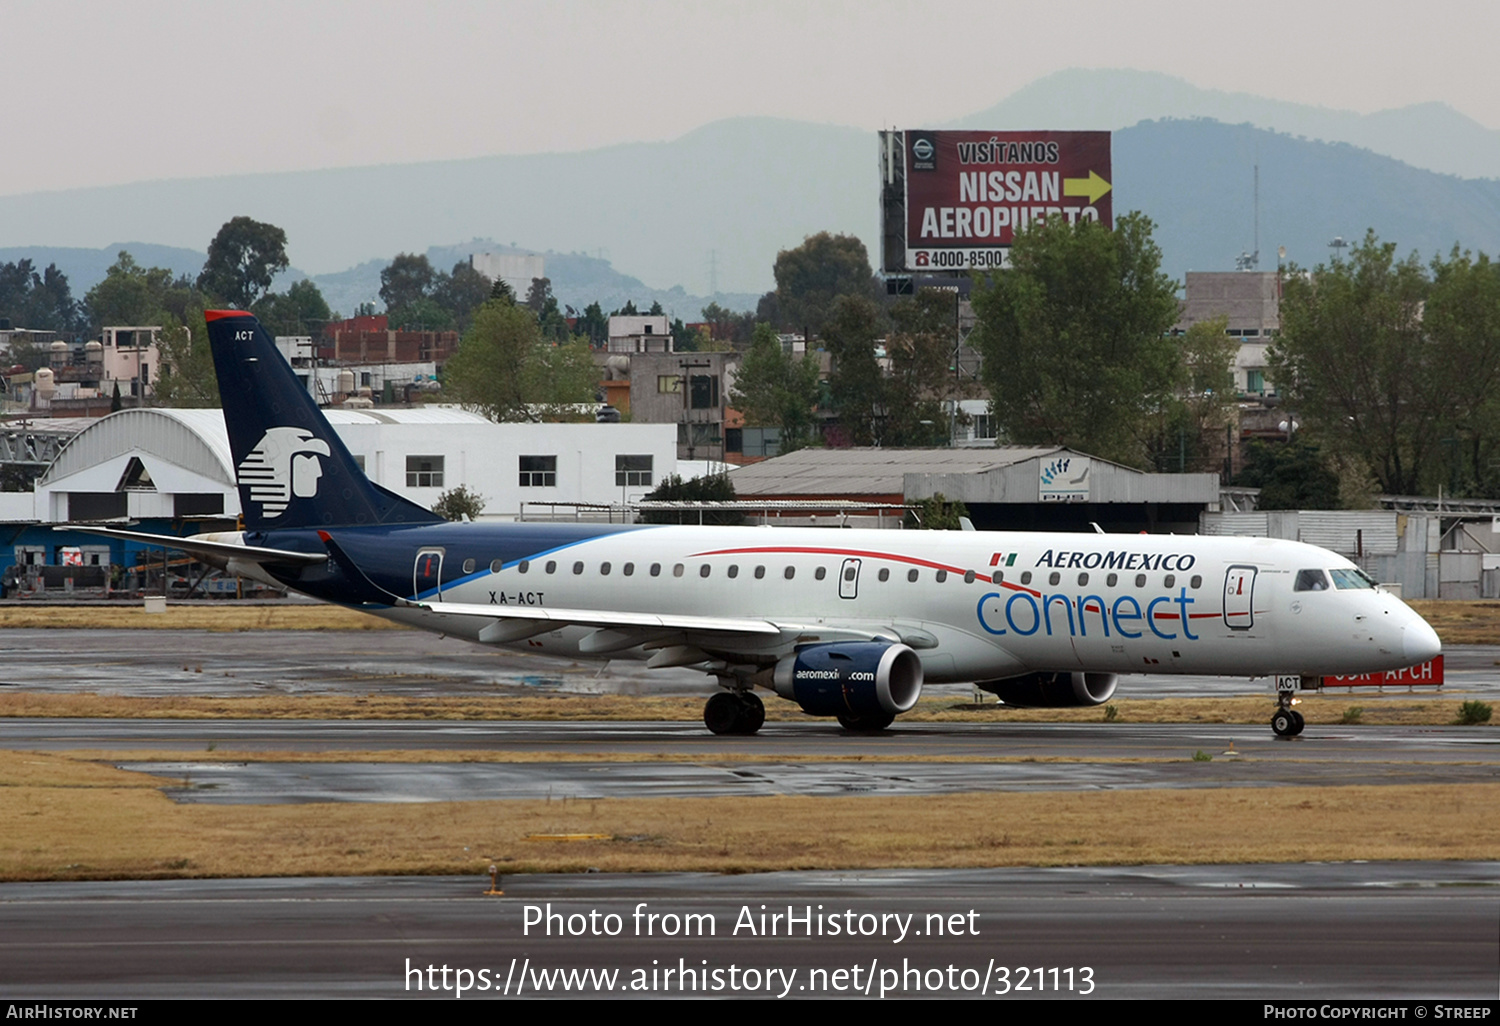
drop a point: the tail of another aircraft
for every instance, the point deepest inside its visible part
(292, 469)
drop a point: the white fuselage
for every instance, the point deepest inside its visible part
(975, 605)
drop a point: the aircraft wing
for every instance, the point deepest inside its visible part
(554, 617)
(204, 547)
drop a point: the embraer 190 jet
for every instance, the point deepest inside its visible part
(847, 624)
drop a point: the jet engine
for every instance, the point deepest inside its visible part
(851, 679)
(1053, 690)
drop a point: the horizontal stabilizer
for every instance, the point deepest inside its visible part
(205, 547)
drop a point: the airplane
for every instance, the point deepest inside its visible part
(848, 624)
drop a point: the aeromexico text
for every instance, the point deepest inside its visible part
(1117, 559)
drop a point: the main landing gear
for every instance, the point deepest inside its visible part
(734, 712)
(866, 723)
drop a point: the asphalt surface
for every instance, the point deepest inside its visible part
(1355, 931)
(183, 662)
(1350, 931)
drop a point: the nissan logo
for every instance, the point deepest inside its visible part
(922, 149)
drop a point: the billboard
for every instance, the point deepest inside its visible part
(955, 200)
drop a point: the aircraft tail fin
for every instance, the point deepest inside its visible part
(292, 468)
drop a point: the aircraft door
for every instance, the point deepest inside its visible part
(849, 579)
(427, 575)
(1239, 598)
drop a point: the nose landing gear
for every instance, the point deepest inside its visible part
(1287, 722)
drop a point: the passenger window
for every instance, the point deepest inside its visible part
(1054, 577)
(1171, 581)
(1310, 580)
(911, 575)
(1112, 580)
(604, 569)
(552, 566)
(733, 571)
(1026, 577)
(468, 566)
(524, 565)
(969, 576)
(703, 570)
(655, 569)
(628, 569)
(942, 575)
(791, 572)
(820, 573)
(760, 572)
(578, 567)
(677, 570)
(849, 573)
(496, 566)
(1083, 579)
(998, 577)
(1140, 580)
(1196, 582)
(885, 573)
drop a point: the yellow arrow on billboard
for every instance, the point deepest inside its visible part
(1092, 187)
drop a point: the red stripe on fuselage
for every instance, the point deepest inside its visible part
(863, 554)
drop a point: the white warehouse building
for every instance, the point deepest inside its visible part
(155, 463)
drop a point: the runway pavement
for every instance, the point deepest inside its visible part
(1353, 931)
(183, 662)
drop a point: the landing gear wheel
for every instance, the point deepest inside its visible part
(1297, 723)
(752, 713)
(866, 723)
(734, 713)
(721, 714)
(1283, 723)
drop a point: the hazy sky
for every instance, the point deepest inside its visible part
(103, 92)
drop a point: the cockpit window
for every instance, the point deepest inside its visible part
(1345, 579)
(1311, 580)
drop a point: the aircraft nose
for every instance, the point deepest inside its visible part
(1419, 642)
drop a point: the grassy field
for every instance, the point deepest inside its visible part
(131, 830)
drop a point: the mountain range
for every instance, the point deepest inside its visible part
(703, 216)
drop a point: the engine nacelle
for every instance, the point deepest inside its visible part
(853, 677)
(1053, 690)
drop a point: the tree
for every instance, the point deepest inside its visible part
(1189, 426)
(133, 295)
(938, 513)
(712, 488)
(812, 276)
(775, 389)
(301, 310)
(243, 259)
(538, 294)
(41, 302)
(507, 371)
(462, 292)
(856, 389)
(1074, 337)
(461, 503)
(1353, 358)
(1290, 475)
(408, 278)
(924, 332)
(593, 325)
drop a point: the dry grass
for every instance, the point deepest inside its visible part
(131, 830)
(1461, 623)
(1388, 709)
(202, 616)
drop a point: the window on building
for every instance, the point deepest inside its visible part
(633, 471)
(668, 383)
(424, 471)
(984, 426)
(703, 391)
(538, 471)
(1255, 381)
